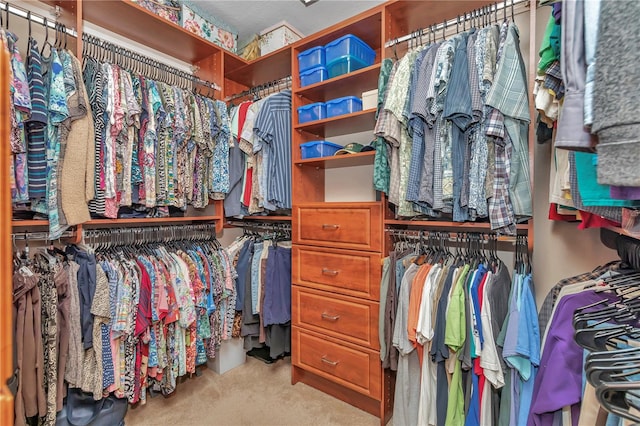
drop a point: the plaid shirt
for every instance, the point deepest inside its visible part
(544, 316)
(553, 80)
(500, 208)
(509, 95)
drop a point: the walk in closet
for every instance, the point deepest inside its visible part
(189, 194)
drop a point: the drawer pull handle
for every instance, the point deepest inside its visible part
(328, 361)
(327, 271)
(330, 317)
(329, 226)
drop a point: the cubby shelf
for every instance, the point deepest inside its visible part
(353, 83)
(347, 160)
(349, 123)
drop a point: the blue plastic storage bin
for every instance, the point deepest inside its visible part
(316, 149)
(345, 105)
(312, 112)
(349, 45)
(311, 58)
(313, 75)
(343, 65)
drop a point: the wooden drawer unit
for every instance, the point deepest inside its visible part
(338, 316)
(348, 365)
(355, 226)
(347, 272)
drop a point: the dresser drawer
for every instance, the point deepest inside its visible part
(343, 271)
(339, 316)
(352, 367)
(355, 226)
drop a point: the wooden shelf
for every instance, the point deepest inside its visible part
(347, 160)
(408, 16)
(29, 223)
(353, 83)
(486, 226)
(343, 124)
(138, 24)
(150, 220)
(273, 66)
(367, 26)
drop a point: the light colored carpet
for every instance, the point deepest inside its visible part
(254, 393)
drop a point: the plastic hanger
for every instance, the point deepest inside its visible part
(612, 397)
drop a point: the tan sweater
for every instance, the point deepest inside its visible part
(77, 176)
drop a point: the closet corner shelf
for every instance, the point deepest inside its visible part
(348, 160)
(272, 66)
(471, 226)
(354, 82)
(349, 123)
(134, 22)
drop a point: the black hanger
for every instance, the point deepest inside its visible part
(612, 397)
(46, 37)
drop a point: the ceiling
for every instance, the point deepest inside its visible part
(252, 16)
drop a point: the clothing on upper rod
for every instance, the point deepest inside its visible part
(449, 326)
(260, 156)
(578, 63)
(452, 130)
(48, 126)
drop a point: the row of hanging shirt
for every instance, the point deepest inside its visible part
(120, 320)
(157, 145)
(463, 336)
(51, 142)
(263, 265)
(455, 116)
(260, 156)
(105, 140)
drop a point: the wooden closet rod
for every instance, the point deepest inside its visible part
(491, 13)
(8, 8)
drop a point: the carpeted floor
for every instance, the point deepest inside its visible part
(254, 393)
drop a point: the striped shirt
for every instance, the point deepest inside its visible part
(36, 125)
(273, 128)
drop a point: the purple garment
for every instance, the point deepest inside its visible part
(561, 357)
(557, 12)
(625, 192)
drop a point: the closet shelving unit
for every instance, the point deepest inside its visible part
(337, 246)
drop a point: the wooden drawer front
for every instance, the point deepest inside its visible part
(352, 367)
(342, 317)
(348, 272)
(358, 228)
